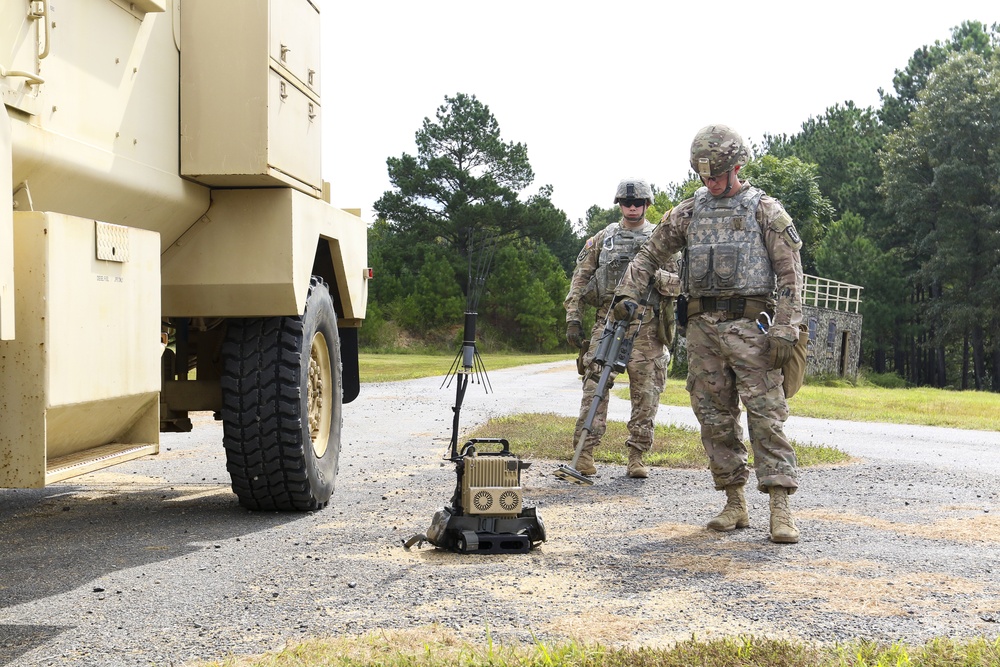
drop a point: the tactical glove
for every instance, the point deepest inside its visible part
(574, 333)
(625, 309)
(781, 351)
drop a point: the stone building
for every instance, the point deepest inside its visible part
(830, 310)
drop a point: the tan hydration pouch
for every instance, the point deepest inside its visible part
(581, 367)
(666, 327)
(794, 370)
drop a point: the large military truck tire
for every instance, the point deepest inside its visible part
(282, 406)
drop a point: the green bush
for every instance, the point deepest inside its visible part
(884, 380)
(830, 380)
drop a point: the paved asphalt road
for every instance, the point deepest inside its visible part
(153, 562)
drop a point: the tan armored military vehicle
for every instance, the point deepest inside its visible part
(170, 246)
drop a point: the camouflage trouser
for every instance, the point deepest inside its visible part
(728, 362)
(647, 373)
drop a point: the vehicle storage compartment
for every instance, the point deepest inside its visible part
(250, 96)
(273, 230)
(82, 377)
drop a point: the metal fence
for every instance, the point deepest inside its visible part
(825, 293)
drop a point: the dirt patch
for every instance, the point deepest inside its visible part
(873, 596)
(981, 528)
(601, 626)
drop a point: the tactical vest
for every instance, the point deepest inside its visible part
(726, 255)
(620, 245)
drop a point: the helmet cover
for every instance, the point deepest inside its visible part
(634, 188)
(716, 149)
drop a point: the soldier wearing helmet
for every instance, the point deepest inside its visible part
(599, 268)
(742, 278)
(718, 151)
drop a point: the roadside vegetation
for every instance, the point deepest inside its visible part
(863, 400)
(392, 367)
(866, 399)
(548, 436)
(435, 648)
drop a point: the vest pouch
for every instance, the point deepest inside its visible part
(794, 370)
(725, 261)
(700, 267)
(605, 281)
(616, 270)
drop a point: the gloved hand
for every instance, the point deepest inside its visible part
(574, 333)
(625, 309)
(781, 351)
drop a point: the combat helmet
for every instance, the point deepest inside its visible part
(716, 149)
(634, 188)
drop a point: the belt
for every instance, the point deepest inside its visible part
(735, 306)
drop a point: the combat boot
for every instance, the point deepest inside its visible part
(734, 514)
(783, 530)
(636, 468)
(585, 464)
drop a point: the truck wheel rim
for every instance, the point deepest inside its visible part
(319, 387)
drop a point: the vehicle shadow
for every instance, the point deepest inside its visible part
(16, 640)
(62, 537)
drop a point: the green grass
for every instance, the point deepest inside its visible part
(548, 436)
(436, 648)
(392, 367)
(923, 406)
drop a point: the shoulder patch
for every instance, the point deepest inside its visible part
(781, 221)
(793, 237)
(586, 250)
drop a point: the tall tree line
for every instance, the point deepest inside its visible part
(915, 186)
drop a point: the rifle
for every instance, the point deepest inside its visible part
(615, 348)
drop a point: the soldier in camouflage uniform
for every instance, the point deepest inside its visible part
(741, 259)
(599, 268)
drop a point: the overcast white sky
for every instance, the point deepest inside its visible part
(599, 91)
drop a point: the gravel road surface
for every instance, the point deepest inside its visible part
(154, 563)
